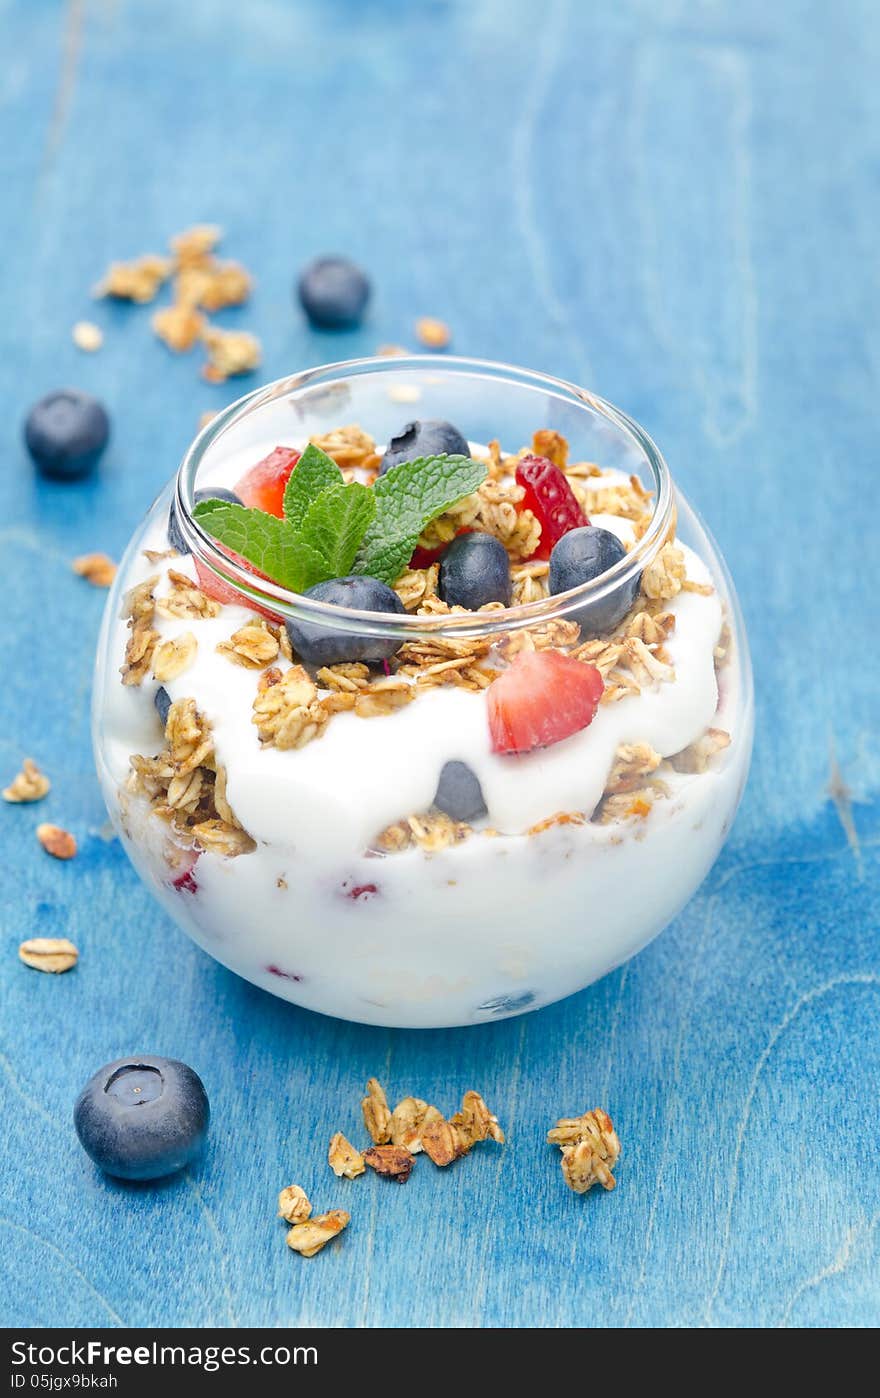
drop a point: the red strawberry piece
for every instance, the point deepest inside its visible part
(262, 487)
(184, 879)
(542, 698)
(551, 500)
(423, 558)
(215, 587)
(362, 890)
(285, 975)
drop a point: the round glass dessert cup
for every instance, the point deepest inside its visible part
(321, 867)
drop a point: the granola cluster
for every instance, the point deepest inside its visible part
(56, 841)
(186, 787)
(140, 609)
(590, 1150)
(415, 1126)
(351, 448)
(97, 569)
(52, 954)
(397, 1138)
(310, 1232)
(201, 283)
(29, 785)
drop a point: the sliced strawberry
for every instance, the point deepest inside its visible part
(212, 586)
(423, 558)
(551, 500)
(184, 863)
(262, 487)
(542, 698)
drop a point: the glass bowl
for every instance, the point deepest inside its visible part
(291, 826)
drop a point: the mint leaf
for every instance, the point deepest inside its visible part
(408, 497)
(313, 473)
(272, 545)
(335, 524)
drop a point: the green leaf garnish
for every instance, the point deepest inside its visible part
(336, 522)
(314, 472)
(408, 497)
(332, 529)
(272, 545)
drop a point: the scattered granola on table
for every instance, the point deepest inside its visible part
(310, 1237)
(87, 336)
(590, 1150)
(395, 1162)
(293, 1204)
(57, 842)
(201, 284)
(344, 1159)
(29, 785)
(139, 280)
(230, 352)
(409, 1119)
(53, 954)
(180, 326)
(376, 1112)
(97, 569)
(433, 333)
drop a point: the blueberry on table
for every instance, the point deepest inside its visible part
(65, 433)
(162, 700)
(333, 292)
(459, 793)
(175, 538)
(323, 645)
(474, 570)
(432, 437)
(142, 1118)
(583, 555)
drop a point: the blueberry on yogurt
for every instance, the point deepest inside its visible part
(320, 645)
(459, 793)
(581, 556)
(216, 492)
(162, 701)
(431, 437)
(474, 570)
(142, 1118)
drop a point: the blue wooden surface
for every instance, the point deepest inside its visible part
(676, 203)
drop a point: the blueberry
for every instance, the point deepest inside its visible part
(474, 570)
(585, 554)
(141, 1118)
(175, 538)
(333, 292)
(459, 793)
(433, 437)
(65, 433)
(319, 645)
(162, 700)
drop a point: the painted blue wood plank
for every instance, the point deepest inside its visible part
(678, 205)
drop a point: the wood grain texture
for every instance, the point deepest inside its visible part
(678, 204)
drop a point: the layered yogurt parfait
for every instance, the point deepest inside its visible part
(422, 698)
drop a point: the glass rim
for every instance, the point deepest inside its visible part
(299, 607)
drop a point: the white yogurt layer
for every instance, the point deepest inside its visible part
(489, 926)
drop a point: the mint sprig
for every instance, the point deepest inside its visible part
(331, 529)
(272, 545)
(314, 472)
(408, 497)
(335, 523)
